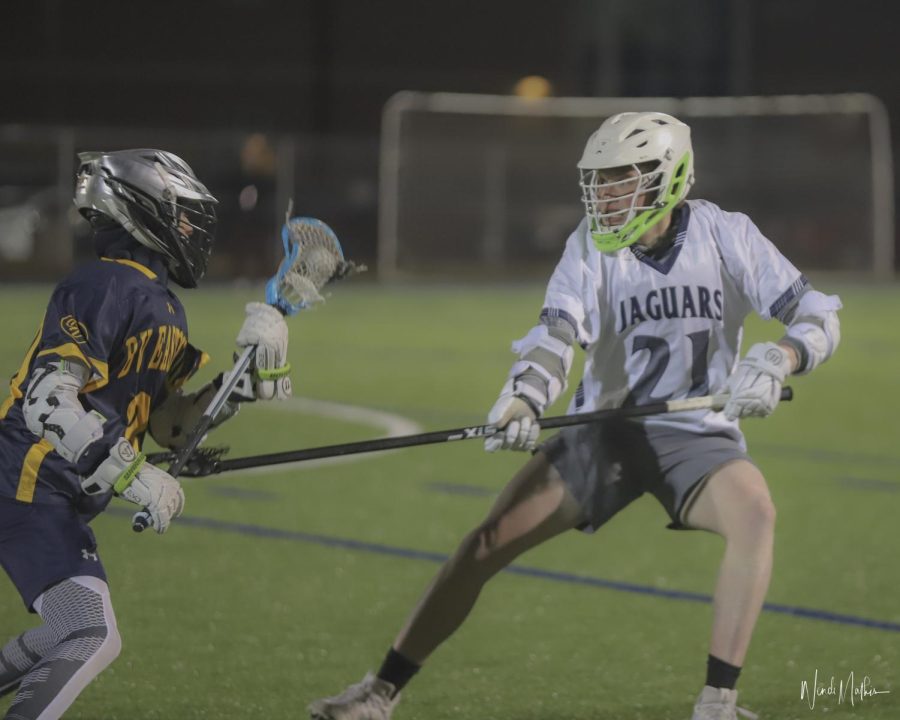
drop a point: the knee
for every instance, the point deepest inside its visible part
(756, 520)
(761, 511)
(103, 617)
(477, 552)
(112, 645)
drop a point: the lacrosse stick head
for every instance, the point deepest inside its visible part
(203, 461)
(312, 258)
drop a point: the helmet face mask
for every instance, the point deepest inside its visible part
(155, 197)
(613, 197)
(635, 169)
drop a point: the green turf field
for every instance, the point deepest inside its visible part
(279, 588)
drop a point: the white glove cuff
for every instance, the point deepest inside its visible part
(117, 471)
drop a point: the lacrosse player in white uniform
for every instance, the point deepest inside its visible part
(655, 289)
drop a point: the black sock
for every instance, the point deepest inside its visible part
(397, 670)
(719, 674)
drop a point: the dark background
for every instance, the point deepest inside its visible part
(323, 69)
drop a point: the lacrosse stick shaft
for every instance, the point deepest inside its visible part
(706, 402)
(141, 519)
(212, 411)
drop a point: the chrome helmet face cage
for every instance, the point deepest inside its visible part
(155, 197)
(187, 229)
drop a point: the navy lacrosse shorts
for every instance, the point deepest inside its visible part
(43, 544)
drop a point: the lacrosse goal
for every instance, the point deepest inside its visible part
(484, 184)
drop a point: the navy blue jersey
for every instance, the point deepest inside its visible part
(118, 318)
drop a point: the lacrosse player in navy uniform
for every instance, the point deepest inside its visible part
(655, 289)
(107, 364)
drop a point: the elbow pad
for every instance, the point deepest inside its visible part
(53, 411)
(545, 359)
(814, 331)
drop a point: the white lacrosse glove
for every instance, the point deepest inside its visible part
(265, 328)
(755, 385)
(517, 423)
(243, 391)
(130, 476)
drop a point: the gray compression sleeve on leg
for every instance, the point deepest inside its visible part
(21, 653)
(79, 614)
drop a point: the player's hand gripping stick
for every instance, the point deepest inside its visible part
(313, 257)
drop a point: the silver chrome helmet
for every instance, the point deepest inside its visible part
(655, 145)
(156, 197)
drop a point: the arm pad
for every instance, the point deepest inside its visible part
(814, 330)
(53, 411)
(545, 359)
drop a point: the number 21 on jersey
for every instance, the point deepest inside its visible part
(659, 360)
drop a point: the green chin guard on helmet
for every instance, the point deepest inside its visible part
(610, 241)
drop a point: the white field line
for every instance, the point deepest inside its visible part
(389, 424)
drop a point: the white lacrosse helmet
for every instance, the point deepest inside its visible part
(629, 140)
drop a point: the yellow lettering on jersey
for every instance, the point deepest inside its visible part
(145, 338)
(131, 345)
(170, 341)
(166, 362)
(160, 349)
(176, 345)
(137, 416)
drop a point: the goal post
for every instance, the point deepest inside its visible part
(488, 182)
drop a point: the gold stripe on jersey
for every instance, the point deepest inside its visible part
(15, 384)
(28, 477)
(71, 350)
(131, 263)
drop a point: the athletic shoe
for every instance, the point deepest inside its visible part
(370, 699)
(719, 704)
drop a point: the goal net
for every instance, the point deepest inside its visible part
(486, 185)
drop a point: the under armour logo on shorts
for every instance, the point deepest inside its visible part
(87, 555)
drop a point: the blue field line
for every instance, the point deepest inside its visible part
(857, 483)
(461, 489)
(553, 575)
(823, 455)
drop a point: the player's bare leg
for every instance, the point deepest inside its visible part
(533, 507)
(735, 503)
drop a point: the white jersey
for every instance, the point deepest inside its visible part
(670, 328)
